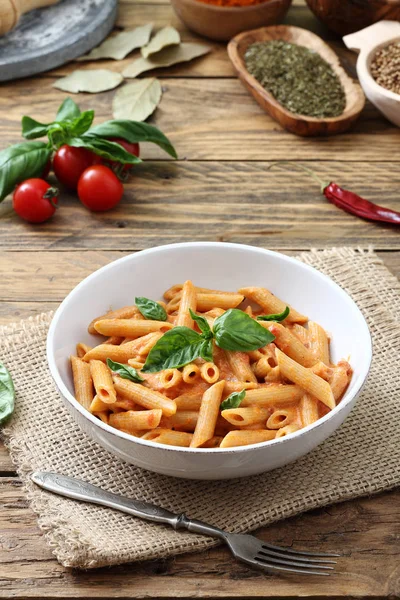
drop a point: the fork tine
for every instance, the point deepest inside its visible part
(296, 552)
(298, 556)
(290, 563)
(268, 568)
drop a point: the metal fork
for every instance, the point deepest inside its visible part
(246, 548)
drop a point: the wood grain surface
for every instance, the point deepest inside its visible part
(221, 188)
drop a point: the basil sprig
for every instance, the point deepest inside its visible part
(151, 309)
(124, 371)
(277, 317)
(234, 330)
(234, 400)
(133, 132)
(74, 128)
(7, 394)
(177, 347)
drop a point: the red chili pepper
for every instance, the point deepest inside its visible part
(352, 203)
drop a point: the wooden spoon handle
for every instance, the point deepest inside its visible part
(11, 10)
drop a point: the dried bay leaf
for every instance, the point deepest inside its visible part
(168, 36)
(90, 80)
(120, 45)
(137, 100)
(165, 58)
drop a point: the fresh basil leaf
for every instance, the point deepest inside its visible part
(82, 123)
(203, 324)
(277, 317)
(68, 111)
(177, 347)
(133, 132)
(21, 162)
(124, 371)
(104, 148)
(151, 309)
(206, 350)
(7, 394)
(234, 400)
(236, 330)
(32, 129)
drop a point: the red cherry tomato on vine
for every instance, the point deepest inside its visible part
(46, 169)
(70, 162)
(35, 200)
(99, 188)
(131, 148)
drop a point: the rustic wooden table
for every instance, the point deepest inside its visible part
(218, 190)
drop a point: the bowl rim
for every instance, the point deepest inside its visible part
(364, 65)
(232, 9)
(63, 390)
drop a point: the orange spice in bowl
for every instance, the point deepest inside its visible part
(233, 3)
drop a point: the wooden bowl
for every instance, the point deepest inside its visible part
(223, 22)
(347, 16)
(299, 124)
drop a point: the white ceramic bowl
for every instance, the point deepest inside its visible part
(367, 42)
(220, 266)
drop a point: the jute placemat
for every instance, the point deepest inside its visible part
(363, 457)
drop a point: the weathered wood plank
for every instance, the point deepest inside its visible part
(169, 202)
(214, 119)
(365, 531)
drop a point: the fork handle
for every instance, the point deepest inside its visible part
(86, 492)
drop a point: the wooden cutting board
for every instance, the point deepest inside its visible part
(49, 37)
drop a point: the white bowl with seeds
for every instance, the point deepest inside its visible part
(378, 65)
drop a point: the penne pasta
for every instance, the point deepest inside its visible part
(290, 344)
(127, 312)
(214, 442)
(209, 372)
(319, 342)
(188, 301)
(271, 304)
(170, 378)
(183, 420)
(117, 353)
(208, 415)
(272, 394)
(308, 409)
(239, 364)
(103, 382)
(306, 379)
(103, 416)
(82, 349)
(115, 340)
(98, 406)
(286, 430)
(245, 416)
(143, 396)
(302, 333)
(136, 420)
(245, 438)
(83, 383)
(189, 401)
(132, 328)
(190, 373)
(169, 437)
(340, 379)
(281, 418)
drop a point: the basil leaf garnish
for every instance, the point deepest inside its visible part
(177, 347)
(104, 148)
(32, 129)
(277, 317)
(133, 131)
(206, 350)
(124, 371)
(21, 162)
(203, 324)
(151, 309)
(68, 111)
(7, 394)
(234, 400)
(235, 330)
(82, 123)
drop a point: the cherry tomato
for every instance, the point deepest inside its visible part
(46, 169)
(131, 148)
(34, 200)
(99, 188)
(69, 164)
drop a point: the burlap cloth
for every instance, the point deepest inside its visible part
(363, 457)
